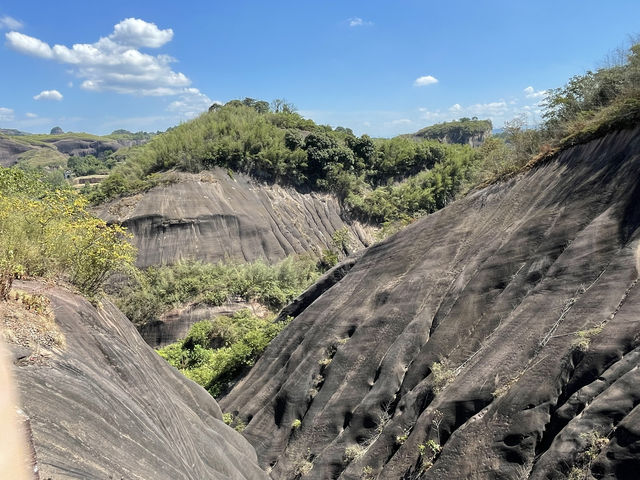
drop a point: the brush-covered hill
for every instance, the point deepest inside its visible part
(495, 338)
(246, 182)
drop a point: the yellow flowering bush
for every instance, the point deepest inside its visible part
(49, 233)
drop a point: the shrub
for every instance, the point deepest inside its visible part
(49, 233)
(442, 375)
(429, 451)
(351, 453)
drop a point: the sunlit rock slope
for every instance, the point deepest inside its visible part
(217, 215)
(107, 406)
(505, 328)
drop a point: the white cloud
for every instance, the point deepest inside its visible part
(531, 92)
(31, 115)
(6, 114)
(191, 103)
(114, 63)
(359, 22)
(400, 121)
(10, 23)
(70, 84)
(134, 32)
(48, 95)
(28, 45)
(498, 112)
(424, 81)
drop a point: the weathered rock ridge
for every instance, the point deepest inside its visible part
(212, 217)
(110, 407)
(505, 327)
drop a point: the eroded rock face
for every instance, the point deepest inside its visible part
(213, 217)
(110, 407)
(525, 297)
(10, 150)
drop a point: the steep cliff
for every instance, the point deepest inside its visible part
(104, 405)
(496, 338)
(212, 216)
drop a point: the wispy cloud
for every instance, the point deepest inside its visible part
(425, 80)
(498, 111)
(531, 92)
(31, 115)
(359, 22)
(116, 63)
(10, 23)
(6, 114)
(191, 103)
(49, 95)
(400, 121)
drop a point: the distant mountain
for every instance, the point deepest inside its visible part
(16, 146)
(12, 131)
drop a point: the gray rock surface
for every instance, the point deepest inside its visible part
(109, 407)
(212, 217)
(500, 287)
(10, 150)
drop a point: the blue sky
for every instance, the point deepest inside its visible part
(378, 67)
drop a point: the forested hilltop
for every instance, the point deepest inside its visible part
(276, 144)
(464, 131)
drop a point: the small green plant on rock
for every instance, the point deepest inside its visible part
(595, 443)
(429, 451)
(227, 418)
(367, 473)
(296, 424)
(442, 375)
(351, 453)
(303, 464)
(584, 338)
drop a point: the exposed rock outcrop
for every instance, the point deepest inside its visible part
(212, 217)
(504, 328)
(10, 150)
(109, 407)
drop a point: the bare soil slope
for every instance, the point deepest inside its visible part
(523, 294)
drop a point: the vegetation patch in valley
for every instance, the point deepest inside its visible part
(216, 351)
(155, 290)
